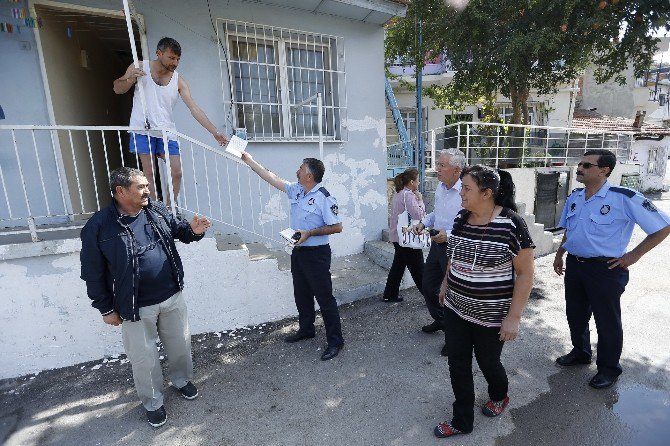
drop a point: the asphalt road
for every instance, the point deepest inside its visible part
(389, 386)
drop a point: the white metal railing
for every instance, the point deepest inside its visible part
(55, 177)
(512, 145)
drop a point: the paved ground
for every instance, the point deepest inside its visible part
(388, 387)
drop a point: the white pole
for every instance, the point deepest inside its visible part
(133, 49)
(319, 104)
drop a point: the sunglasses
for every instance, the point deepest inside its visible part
(586, 165)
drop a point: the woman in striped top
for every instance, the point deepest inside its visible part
(488, 282)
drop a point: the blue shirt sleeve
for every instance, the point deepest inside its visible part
(292, 189)
(564, 214)
(330, 211)
(645, 214)
(429, 220)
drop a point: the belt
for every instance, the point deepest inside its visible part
(599, 259)
(309, 248)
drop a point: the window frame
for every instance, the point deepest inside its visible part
(334, 97)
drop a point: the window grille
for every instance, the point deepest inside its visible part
(269, 75)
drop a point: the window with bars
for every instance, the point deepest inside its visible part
(272, 76)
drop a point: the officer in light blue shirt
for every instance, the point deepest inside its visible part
(599, 221)
(310, 210)
(314, 216)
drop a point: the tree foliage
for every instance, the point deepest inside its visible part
(513, 46)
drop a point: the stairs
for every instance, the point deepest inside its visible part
(545, 242)
(354, 277)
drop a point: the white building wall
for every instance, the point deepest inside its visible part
(652, 168)
(47, 320)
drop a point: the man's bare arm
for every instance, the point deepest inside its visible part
(198, 113)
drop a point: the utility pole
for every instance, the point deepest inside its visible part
(420, 146)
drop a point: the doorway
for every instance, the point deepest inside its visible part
(82, 51)
(551, 188)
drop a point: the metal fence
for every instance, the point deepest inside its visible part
(509, 145)
(55, 177)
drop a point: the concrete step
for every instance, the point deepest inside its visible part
(381, 254)
(354, 277)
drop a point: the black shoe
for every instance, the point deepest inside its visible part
(157, 417)
(330, 352)
(602, 381)
(189, 391)
(298, 336)
(432, 327)
(573, 358)
(444, 351)
(395, 299)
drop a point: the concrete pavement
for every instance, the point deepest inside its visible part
(389, 386)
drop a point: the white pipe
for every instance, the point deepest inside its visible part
(319, 104)
(133, 49)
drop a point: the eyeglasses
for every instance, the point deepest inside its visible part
(586, 165)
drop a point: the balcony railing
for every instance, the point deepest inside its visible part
(509, 145)
(437, 65)
(53, 178)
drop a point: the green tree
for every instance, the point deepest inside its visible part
(513, 46)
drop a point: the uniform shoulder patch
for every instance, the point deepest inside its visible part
(324, 191)
(648, 205)
(630, 193)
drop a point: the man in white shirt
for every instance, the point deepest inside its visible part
(161, 90)
(450, 164)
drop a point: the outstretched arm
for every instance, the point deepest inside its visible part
(197, 113)
(262, 172)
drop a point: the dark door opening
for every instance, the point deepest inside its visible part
(551, 191)
(84, 52)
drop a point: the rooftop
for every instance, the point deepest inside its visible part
(587, 119)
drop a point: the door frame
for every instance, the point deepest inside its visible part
(43, 70)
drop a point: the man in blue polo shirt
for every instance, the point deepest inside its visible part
(314, 215)
(599, 221)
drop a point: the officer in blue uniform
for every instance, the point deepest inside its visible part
(598, 221)
(314, 215)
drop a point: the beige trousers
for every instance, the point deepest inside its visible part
(168, 321)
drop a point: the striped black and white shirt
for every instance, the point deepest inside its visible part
(481, 276)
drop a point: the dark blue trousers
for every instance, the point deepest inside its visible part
(592, 288)
(433, 273)
(310, 267)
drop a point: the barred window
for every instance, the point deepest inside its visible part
(271, 77)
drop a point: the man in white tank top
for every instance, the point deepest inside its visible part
(161, 90)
